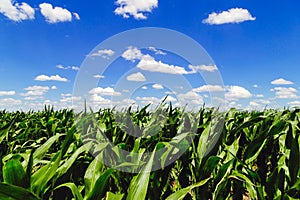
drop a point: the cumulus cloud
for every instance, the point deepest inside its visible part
(281, 81)
(148, 100)
(16, 11)
(103, 53)
(56, 14)
(97, 99)
(138, 77)
(7, 93)
(208, 68)
(294, 103)
(10, 101)
(135, 8)
(209, 88)
(237, 92)
(148, 63)
(50, 78)
(233, 15)
(190, 96)
(53, 87)
(157, 51)
(68, 67)
(35, 90)
(108, 91)
(285, 92)
(70, 99)
(132, 54)
(157, 86)
(144, 87)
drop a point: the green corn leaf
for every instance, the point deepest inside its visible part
(40, 178)
(112, 196)
(42, 150)
(15, 193)
(76, 193)
(69, 162)
(98, 191)
(92, 173)
(249, 185)
(14, 174)
(139, 185)
(180, 194)
(254, 149)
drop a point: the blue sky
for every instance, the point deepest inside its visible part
(44, 46)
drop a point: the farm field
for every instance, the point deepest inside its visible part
(256, 155)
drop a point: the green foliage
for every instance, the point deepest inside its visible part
(256, 155)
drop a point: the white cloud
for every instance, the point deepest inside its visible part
(147, 100)
(294, 103)
(237, 92)
(108, 91)
(233, 15)
(66, 95)
(190, 96)
(69, 99)
(255, 86)
(95, 98)
(285, 93)
(254, 104)
(53, 87)
(281, 81)
(144, 87)
(68, 67)
(103, 53)
(209, 88)
(148, 63)
(55, 14)
(33, 98)
(259, 95)
(208, 68)
(169, 99)
(132, 54)
(138, 77)
(16, 11)
(10, 102)
(263, 101)
(7, 93)
(136, 8)
(76, 15)
(157, 51)
(35, 90)
(50, 78)
(157, 86)
(98, 76)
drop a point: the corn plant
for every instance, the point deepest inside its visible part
(52, 154)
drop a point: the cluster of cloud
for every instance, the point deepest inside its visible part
(50, 78)
(148, 63)
(16, 11)
(7, 93)
(103, 53)
(22, 11)
(68, 67)
(135, 8)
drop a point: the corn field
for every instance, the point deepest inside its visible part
(43, 156)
